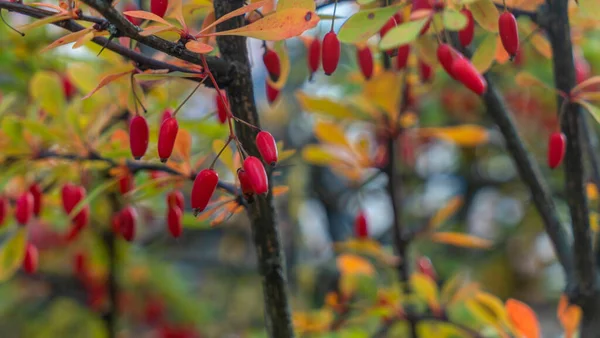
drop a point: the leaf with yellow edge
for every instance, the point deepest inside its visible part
(324, 106)
(425, 287)
(451, 286)
(349, 264)
(106, 80)
(284, 61)
(46, 89)
(364, 24)
(524, 321)
(240, 11)
(569, 316)
(484, 55)
(454, 20)
(445, 212)
(402, 34)
(286, 154)
(198, 47)
(466, 135)
(486, 14)
(66, 39)
(12, 252)
(460, 239)
(47, 20)
(494, 305)
(485, 314)
(332, 133)
(183, 144)
(316, 155)
(147, 16)
(226, 154)
(279, 25)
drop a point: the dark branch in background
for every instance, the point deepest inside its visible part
(221, 70)
(271, 262)
(143, 62)
(416, 318)
(110, 241)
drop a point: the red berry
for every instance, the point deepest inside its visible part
(175, 199)
(67, 197)
(138, 136)
(331, 52)
(361, 226)
(272, 92)
(272, 63)
(204, 187)
(245, 184)
(425, 71)
(116, 223)
(267, 147)
(314, 55)
(154, 310)
(256, 175)
(582, 68)
(391, 23)
(425, 267)
(402, 57)
(3, 209)
(81, 219)
(24, 208)
(132, 7)
(68, 88)
(166, 114)
(222, 104)
(80, 266)
(159, 7)
(446, 55)
(125, 183)
(30, 261)
(509, 33)
(127, 220)
(557, 145)
(420, 5)
(465, 72)
(465, 35)
(36, 192)
(174, 221)
(365, 61)
(166, 138)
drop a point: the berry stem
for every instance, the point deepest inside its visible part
(135, 96)
(188, 97)
(333, 16)
(237, 119)
(220, 152)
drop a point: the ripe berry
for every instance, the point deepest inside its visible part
(138, 136)
(446, 55)
(402, 57)
(3, 209)
(267, 147)
(175, 199)
(361, 227)
(509, 33)
(166, 138)
(68, 88)
(245, 184)
(365, 61)
(71, 195)
(204, 187)
(425, 267)
(24, 208)
(465, 72)
(391, 23)
(174, 221)
(557, 145)
(425, 71)
(166, 114)
(81, 219)
(314, 55)
(465, 35)
(125, 183)
(127, 220)
(36, 192)
(159, 7)
(222, 104)
(80, 266)
(132, 7)
(272, 63)
(331, 52)
(272, 92)
(582, 68)
(256, 175)
(30, 261)
(420, 5)
(116, 223)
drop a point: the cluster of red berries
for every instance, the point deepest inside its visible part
(252, 176)
(326, 53)
(139, 135)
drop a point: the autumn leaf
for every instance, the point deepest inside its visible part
(324, 106)
(349, 264)
(402, 34)
(484, 55)
(462, 240)
(464, 135)
(198, 47)
(569, 316)
(240, 11)
(12, 252)
(306, 4)
(425, 287)
(44, 21)
(523, 319)
(445, 212)
(66, 39)
(226, 154)
(284, 61)
(183, 144)
(364, 24)
(106, 80)
(147, 16)
(332, 133)
(486, 14)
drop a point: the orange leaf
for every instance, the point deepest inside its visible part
(151, 30)
(462, 240)
(198, 47)
(66, 39)
(589, 82)
(147, 16)
(349, 264)
(240, 11)
(445, 212)
(280, 190)
(569, 316)
(183, 144)
(106, 80)
(279, 25)
(523, 319)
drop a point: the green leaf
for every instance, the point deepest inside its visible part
(41, 130)
(46, 88)
(11, 126)
(592, 109)
(402, 34)
(364, 24)
(454, 20)
(6, 102)
(91, 196)
(12, 253)
(485, 54)
(189, 221)
(589, 8)
(16, 168)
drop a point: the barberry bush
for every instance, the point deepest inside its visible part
(126, 126)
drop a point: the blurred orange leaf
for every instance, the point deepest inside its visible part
(332, 133)
(445, 212)
(464, 135)
(66, 39)
(569, 316)
(349, 264)
(183, 144)
(462, 240)
(147, 16)
(523, 319)
(426, 288)
(240, 11)
(198, 47)
(592, 191)
(280, 190)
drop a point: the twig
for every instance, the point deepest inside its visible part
(417, 318)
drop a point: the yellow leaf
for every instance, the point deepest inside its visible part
(485, 54)
(147, 16)
(486, 14)
(445, 212)
(284, 61)
(240, 11)
(464, 135)
(349, 264)
(493, 305)
(523, 319)
(151, 30)
(12, 253)
(66, 39)
(590, 8)
(426, 288)
(316, 155)
(183, 144)
(485, 315)
(327, 132)
(594, 221)
(427, 49)
(378, 91)
(537, 40)
(592, 191)
(83, 40)
(46, 20)
(226, 156)
(462, 240)
(106, 80)
(46, 89)
(198, 47)
(434, 328)
(324, 106)
(279, 25)
(569, 316)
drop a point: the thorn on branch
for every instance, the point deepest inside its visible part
(9, 26)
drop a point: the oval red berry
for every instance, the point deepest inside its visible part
(30, 261)
(174, 221)
(557, 146)
(314, 55)
(330, 52)
(256, 175)
(464, 71)
(24, 208)
(267, 147)
(245, 184)
(127, 223)
(166, 114)
(272, 63)
(446, 55)
(361, 228)
(36, 192)
(159, 7)
(509, 33)
(175, 199)
(204, 187)
(3, 209)
(402, 57)
(125, 183)
(425, 71)
(166, 138)
(222, 104)
(465, 35)
(425, 267)
(272, 93)
(365, 61)
(138, 136)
